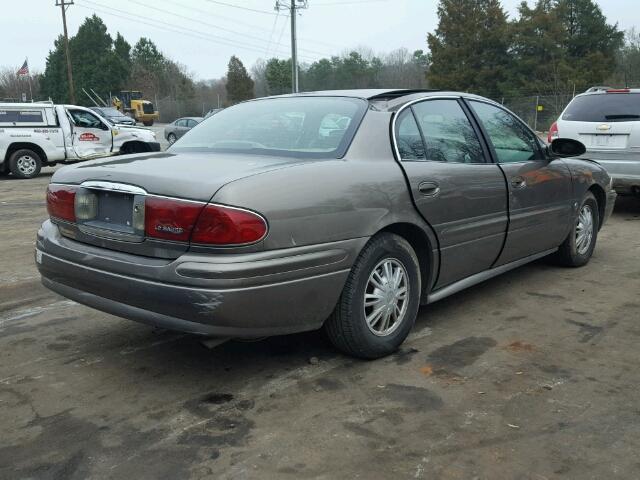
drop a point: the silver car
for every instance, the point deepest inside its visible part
(607, 121)
(176, 129)
(345, 210)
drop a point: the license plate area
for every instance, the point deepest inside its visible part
(118, 216)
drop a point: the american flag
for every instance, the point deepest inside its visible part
(24, 70)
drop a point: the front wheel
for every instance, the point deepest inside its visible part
(578, 247)
(380, 300)
(171, 138)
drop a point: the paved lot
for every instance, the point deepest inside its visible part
(533, 375)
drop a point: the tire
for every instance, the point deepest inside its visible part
(171, 138)
(25, 163)
(148, 123)
(577, 249)
(348, 329)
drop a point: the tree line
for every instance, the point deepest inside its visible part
(550, 47)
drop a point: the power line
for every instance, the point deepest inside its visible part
(273, 29)
(173, 28)
(251, 26)
(266, 12)
(349, 2)
(234, 32)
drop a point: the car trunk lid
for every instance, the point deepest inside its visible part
(111, 194)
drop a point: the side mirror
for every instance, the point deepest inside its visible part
(567, 147)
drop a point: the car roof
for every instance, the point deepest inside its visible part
(384, 99)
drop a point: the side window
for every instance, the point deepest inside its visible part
(511, 139)
(85, 119)
(448, 134)
(181, 123)
(408, 137)
(191, 123)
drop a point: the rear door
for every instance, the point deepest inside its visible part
(181, 127)
(455, 187)
(90, 137)
(540, 190)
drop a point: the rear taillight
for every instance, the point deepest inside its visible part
(170, 219)
(61, 202)
(618, 90)
(553, 132)
(221, 225)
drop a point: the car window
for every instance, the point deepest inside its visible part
(301, 127)
(604, 107)
(408, 138)
(511, 139)
(191, 123)
(181, 123)
(447, 132)
(85, 119)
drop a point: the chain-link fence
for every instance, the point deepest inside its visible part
(170, 109)
(539, 111)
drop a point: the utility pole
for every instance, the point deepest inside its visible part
(63, 4)
(293, 6)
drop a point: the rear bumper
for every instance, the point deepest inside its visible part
(624, 171)
(232, 295)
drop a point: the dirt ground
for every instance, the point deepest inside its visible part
(532, 375)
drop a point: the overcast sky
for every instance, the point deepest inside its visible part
(203, 34)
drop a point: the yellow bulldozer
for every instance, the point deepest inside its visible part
(130, 102)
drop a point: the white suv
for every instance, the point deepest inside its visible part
(607, 122)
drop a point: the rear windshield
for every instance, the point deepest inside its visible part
(604, 107)
(301, 127)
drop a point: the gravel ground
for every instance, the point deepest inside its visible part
(532, 375)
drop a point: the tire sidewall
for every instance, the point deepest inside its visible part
(13, 163)
(390, 247)
(169, 137)
(579, 259)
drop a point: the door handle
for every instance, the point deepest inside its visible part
(518, 182)
(429, 189)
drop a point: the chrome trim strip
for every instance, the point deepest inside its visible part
(482, 276)
(113, 186)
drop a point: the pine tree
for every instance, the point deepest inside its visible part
(239, 84)
(98, 63)
(278, 75)
(469, 49)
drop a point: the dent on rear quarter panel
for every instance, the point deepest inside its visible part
(329, 200)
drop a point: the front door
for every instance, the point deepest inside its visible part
(540, 190)
(91, 137)
(455, 187)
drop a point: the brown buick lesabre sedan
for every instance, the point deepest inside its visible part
(345, 210)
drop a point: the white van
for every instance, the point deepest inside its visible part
(607, 121)
(36, 134)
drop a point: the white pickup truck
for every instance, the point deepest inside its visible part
(36, 134)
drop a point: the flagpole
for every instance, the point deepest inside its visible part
(29, 77)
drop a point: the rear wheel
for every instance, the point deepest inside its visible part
(578, 247)
(148, 123)
(25, 163)
(380, 300)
